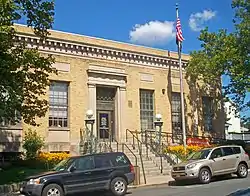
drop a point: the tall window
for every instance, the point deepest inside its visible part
(147, 109)
(176, 113)
(207, 106)
(58, 100)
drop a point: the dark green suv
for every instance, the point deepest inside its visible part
(105, 171)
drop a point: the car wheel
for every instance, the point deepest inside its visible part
(53, 190)
(118, 186)
(242, 171)
(205, 176)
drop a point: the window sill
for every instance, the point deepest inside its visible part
(59, 129)
(11, 127)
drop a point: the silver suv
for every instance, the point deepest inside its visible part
(210, 162)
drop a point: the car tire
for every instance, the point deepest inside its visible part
(205, 176)
(179, 182)
(53, 188)
(118, 186)
(242, 171)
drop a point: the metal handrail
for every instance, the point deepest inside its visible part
(169, 159)
(147, 147)
(111, 138)
(136, 161)
(173, 136)
(142, 164)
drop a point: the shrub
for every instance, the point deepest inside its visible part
(33, 143)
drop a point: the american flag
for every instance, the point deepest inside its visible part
(179, 36)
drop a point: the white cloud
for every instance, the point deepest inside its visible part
(153, 33)
(197, 20)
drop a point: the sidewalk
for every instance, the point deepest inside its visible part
(154, 181)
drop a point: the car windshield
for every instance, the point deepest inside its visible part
(64, 164)
(202, 154)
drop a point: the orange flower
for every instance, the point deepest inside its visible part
(52, 158)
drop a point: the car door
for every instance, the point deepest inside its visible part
(103, 170)
(80, 177)
(238, 155)
(217, 161)
(230, 159)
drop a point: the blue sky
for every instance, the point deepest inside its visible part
(113, 19)
(144, 22)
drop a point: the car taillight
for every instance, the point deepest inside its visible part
(132, 169)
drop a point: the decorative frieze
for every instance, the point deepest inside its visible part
(93, 51)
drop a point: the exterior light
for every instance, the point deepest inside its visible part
(89, 114)
(158, 117)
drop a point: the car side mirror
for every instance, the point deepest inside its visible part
(72, 169)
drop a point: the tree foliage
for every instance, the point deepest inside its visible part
(226, 54)
(32, 143)
(24, 72)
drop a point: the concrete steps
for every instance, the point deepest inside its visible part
(151, 162)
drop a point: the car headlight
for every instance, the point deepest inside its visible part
(191, 166)
(34, 181)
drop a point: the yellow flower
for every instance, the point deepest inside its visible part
(180, 151)
(52, 158)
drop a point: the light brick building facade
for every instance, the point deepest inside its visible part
(125, 85)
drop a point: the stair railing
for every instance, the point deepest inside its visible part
(140, 153)
(110, 140)
(150, 138)
(123, 150)
(148, 145)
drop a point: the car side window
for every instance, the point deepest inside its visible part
(84, 163)
(227, 151)
(102, 161)
(119, 160)
(236, 150)
(217, 153)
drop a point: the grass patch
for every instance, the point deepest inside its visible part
(17, 174)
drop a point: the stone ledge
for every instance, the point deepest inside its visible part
(10, 188)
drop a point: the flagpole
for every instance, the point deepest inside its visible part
(181, 90)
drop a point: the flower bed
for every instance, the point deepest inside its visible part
(179, 150)
(51, 159)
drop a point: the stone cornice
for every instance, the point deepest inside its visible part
(61, 46)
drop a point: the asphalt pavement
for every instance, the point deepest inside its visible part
(218, 187)
(221, 187)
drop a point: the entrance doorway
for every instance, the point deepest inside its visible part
(105, 105)
(105, 125)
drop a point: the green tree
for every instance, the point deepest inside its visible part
(32, 143)
(24, 72)
(226, 54)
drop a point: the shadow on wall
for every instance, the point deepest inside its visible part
(199, 90)
(10, 143)
(171, 90)
(194, 114)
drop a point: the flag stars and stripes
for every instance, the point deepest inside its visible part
(179, 36)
